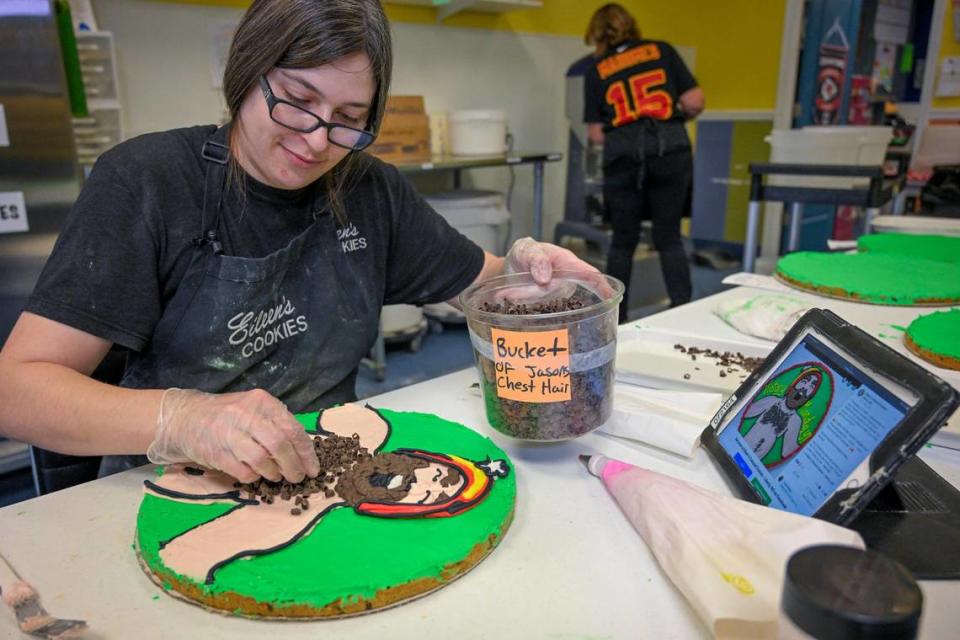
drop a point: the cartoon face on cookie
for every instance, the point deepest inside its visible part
(405, 483)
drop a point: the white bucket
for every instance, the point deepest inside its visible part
(400, 319)
(481, 216)
(861, 146)
(476, 132)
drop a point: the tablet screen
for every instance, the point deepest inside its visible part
(808, 428)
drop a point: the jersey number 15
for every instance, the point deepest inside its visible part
(645, 102)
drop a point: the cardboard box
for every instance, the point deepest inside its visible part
(395, 124)
(403, 138)
(405, 104)
(399, 153)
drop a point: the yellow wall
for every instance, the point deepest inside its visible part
(737, 41)
(948, 47)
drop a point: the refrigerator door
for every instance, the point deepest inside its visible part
(38, 160)
(39, 174)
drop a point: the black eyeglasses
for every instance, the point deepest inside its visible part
(296, 118)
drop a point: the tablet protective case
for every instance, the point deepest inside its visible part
(937, 400)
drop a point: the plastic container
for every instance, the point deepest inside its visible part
(871, 142)
(862, 146)
(545, 376)
(400, 319)
(833, 592)
(477, 132)
(482, 216)
(928, 225)
(939, 145)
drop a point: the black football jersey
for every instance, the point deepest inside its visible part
(638, 79)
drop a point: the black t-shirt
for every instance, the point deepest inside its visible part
(128, 241)
(635, 80)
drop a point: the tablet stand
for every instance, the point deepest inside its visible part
(915, 520)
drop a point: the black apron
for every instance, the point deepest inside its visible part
(294, 322)
(627, 149)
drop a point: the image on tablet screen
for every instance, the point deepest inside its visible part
(809, 427)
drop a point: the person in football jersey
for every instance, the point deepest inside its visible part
(638, 95)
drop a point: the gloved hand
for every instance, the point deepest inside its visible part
(541, 258)
(247, 435)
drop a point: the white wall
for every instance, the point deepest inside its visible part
(163, 52)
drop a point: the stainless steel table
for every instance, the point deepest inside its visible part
(457, 164)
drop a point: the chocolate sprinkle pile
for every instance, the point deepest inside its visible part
(728, 361)
(553, 306)
(336, 455)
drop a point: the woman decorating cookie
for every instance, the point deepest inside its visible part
(242, 267)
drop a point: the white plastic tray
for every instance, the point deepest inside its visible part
(649, 359)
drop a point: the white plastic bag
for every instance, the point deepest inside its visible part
(766, 316)
(669, 420)
(725, 555)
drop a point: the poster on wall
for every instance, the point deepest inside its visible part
(834, 51)
(860, 106)
(884, 62)
(948, 83)
(892, 23)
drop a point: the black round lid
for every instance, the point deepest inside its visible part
(844, 593)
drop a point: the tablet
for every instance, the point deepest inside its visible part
(824, 424)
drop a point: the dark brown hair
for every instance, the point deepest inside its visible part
(610, 25)
(300, 34)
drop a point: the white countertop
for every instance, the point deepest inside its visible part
(880, 321)
(571, 566)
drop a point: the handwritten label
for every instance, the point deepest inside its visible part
(532, 366)
(13, 212)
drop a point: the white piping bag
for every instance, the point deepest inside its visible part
(726, 556)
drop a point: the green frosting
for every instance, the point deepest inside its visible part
(941, 248)
(347, 555)
(875, 277)
(937, 332)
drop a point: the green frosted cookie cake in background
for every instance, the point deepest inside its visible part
(877, 278)
(928, 247)
(935, 337)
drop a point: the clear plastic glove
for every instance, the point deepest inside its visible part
(541, 259)
(247, 435)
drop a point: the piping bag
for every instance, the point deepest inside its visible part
(726, 556)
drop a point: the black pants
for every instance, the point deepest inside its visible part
(657, 190)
